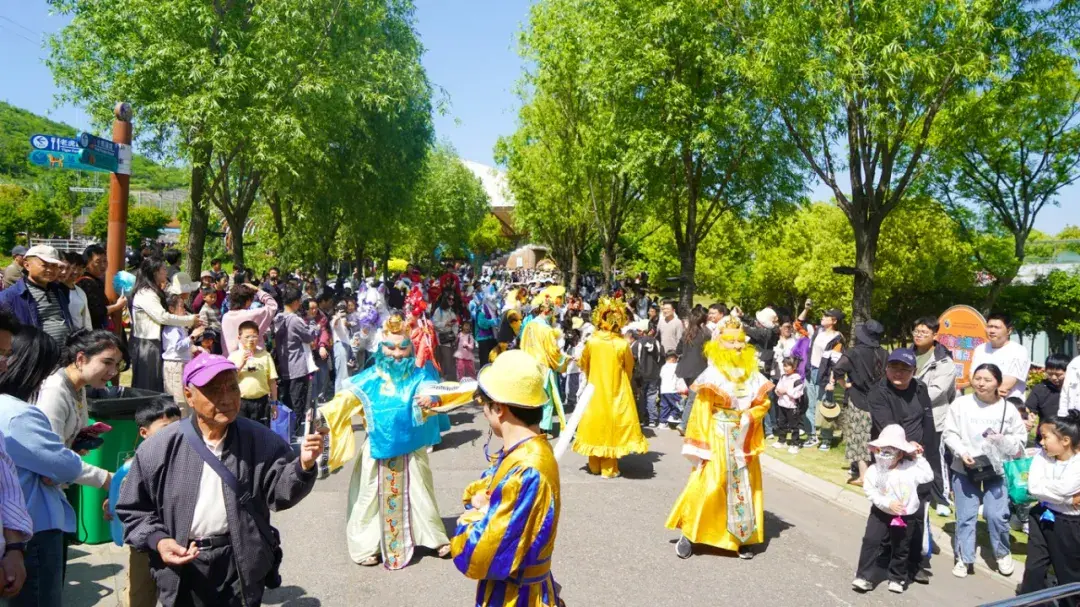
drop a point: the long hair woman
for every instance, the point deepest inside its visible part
(692, 362)
(43, 464)
(149, 314)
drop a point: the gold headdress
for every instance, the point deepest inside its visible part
(395, 325)
(610, 314)
(732, 330)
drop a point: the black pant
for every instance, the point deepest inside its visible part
(257, 409)
(211, 580)
(294, 393)
(788, 422)
(932, 451)
(484, 347)
(1054, 543)
(881, 535)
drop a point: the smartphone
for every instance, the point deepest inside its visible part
(307, 421)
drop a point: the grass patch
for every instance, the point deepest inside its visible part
(831, 466)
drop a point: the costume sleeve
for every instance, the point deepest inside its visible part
(514, 533)
(696, 444)
(585, 360)
(339, 413)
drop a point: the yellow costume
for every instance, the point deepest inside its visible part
(609, 427)
(540, 341)
(722, 504)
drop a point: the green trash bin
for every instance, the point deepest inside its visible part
(115, 406)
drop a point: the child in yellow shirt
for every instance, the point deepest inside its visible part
(258, 375)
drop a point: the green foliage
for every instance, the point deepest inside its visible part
(488, 237)
(143, 222)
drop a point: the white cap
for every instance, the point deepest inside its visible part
(44, 253)
(182, 283)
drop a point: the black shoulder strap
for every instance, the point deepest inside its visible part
(199, 446)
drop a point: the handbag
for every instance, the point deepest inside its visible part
(268, 533)
(1016, 475)
(983, 469)
(285, 423)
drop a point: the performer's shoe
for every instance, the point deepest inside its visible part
(683, 548)
(745, 553)
(444, 551)
(370, 561)
(862, 585)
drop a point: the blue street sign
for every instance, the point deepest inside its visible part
(63, 160)
(96, 158)
(99, 145)
(54, 143)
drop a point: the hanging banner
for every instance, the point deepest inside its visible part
(962, 330)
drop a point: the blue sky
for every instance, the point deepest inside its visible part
(470, 55)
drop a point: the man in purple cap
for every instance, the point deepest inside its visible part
(208, 545)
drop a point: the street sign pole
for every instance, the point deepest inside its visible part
(119, 185)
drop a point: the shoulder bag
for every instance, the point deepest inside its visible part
(983, 470)
(268, 533)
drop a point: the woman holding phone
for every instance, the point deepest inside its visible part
(89, 358)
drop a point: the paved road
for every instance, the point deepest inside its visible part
(612, 548)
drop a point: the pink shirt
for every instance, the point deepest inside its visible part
(465, 346)
(230, 323)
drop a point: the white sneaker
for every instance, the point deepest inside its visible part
(861, 584)
(943, 510)
(793, 450)
(1006, 565)
(960, 569)
(896, 587)
(779, 445)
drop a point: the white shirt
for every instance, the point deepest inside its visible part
(1055, 482)
(669, 383)
(149, 315)
(1012, 359)
(900, 484)
(968, 418)
(175, 344)
(1070, 390)
(210, 517)
(80, 312)
(817, 348)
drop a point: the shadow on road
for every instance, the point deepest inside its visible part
(462, 417)
(86, 592)
(639, 466)
(457, 438)
(293, 596)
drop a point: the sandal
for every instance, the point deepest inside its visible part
(370, 561)
(444, 551)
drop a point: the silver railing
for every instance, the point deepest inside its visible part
(1040, 597)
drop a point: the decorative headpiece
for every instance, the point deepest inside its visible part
(395, 325)
(732, 330)
(610, 314)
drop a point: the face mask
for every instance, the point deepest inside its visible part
(887, 456)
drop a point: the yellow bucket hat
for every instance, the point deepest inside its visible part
(514, 378)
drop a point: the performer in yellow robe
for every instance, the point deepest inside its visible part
(506, 537)
(722, 504)
(540, 341)
(609, 427)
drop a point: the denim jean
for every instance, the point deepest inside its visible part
(648, 400)
(769, 422)
(320, 382)
(341, 365)
(44, 562)
(812, 395)
(688, 406)
(995, 503)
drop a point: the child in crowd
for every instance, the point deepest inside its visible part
(790, 399)
(150, 418)
(210, 313)
(207, 341)
(672, 390)
(465, 353)
(1053, 479)
(892, 485)
(175, 353)
(1042, 401)
(257, 375)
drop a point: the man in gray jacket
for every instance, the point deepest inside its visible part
(935, 368)
(205, 545)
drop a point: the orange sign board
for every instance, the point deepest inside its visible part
(962, 330)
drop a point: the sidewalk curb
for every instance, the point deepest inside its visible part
(857, 504)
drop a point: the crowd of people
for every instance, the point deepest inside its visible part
(231, 356)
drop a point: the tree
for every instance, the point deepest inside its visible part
(1009, 148)
(858, 86)
(143, 222)
(451, 204)
(488, 237)
(39, 217)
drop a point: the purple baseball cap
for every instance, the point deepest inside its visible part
(204, 368)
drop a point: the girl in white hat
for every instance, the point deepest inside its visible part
(892, 485)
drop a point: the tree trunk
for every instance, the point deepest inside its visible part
(362, 271)
(237, 233)
(575, 273)
(687, 271)
(866, 242)
(200, 213)
(607, 263)
(386, 262)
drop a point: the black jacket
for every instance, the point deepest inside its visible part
(910, 408)
(647, 358)
(1043, 401)
(863, 366)
(692, 356)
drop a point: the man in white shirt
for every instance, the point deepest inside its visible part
(1070, 389)
(1010, 357)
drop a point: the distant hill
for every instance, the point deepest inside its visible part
(16, 127)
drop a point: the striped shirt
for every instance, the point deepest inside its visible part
(13, 513)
